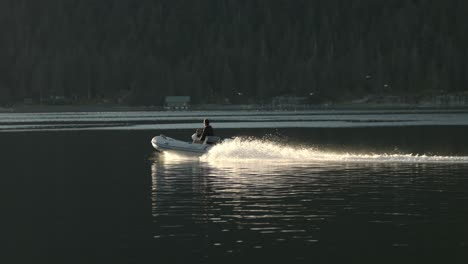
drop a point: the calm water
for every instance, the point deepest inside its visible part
(324, 194)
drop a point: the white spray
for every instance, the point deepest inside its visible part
(252, 150)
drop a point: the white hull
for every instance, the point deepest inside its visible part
(178, 147)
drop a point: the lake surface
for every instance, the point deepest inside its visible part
(293, 187)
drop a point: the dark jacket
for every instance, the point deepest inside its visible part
(207, 131)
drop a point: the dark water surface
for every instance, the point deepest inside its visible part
(107, 197)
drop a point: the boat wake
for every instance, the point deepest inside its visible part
(257, 150)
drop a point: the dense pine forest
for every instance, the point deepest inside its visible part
(237, 51)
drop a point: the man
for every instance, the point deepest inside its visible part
(200, 136)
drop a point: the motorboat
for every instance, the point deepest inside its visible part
(163, 143)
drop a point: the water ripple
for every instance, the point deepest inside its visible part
(260, 205)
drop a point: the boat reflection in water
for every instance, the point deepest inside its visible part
(229, 207)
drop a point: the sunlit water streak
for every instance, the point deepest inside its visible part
(256, 151)
(18, 122)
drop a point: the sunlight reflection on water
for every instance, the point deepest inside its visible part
(270, 203)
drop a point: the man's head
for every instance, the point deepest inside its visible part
(206, 122)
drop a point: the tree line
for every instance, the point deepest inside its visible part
(221, 51)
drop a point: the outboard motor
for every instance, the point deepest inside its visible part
(212, 140)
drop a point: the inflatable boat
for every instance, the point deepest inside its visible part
(163, 143)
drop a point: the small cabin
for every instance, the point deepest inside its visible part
(289, 100)
(177, 102)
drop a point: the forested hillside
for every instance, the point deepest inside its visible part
(243, 50)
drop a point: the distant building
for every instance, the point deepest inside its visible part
(289, 100)
(177, 102)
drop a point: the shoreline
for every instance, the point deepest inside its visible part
(121, 108)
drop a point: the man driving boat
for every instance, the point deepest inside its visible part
(201, 134)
